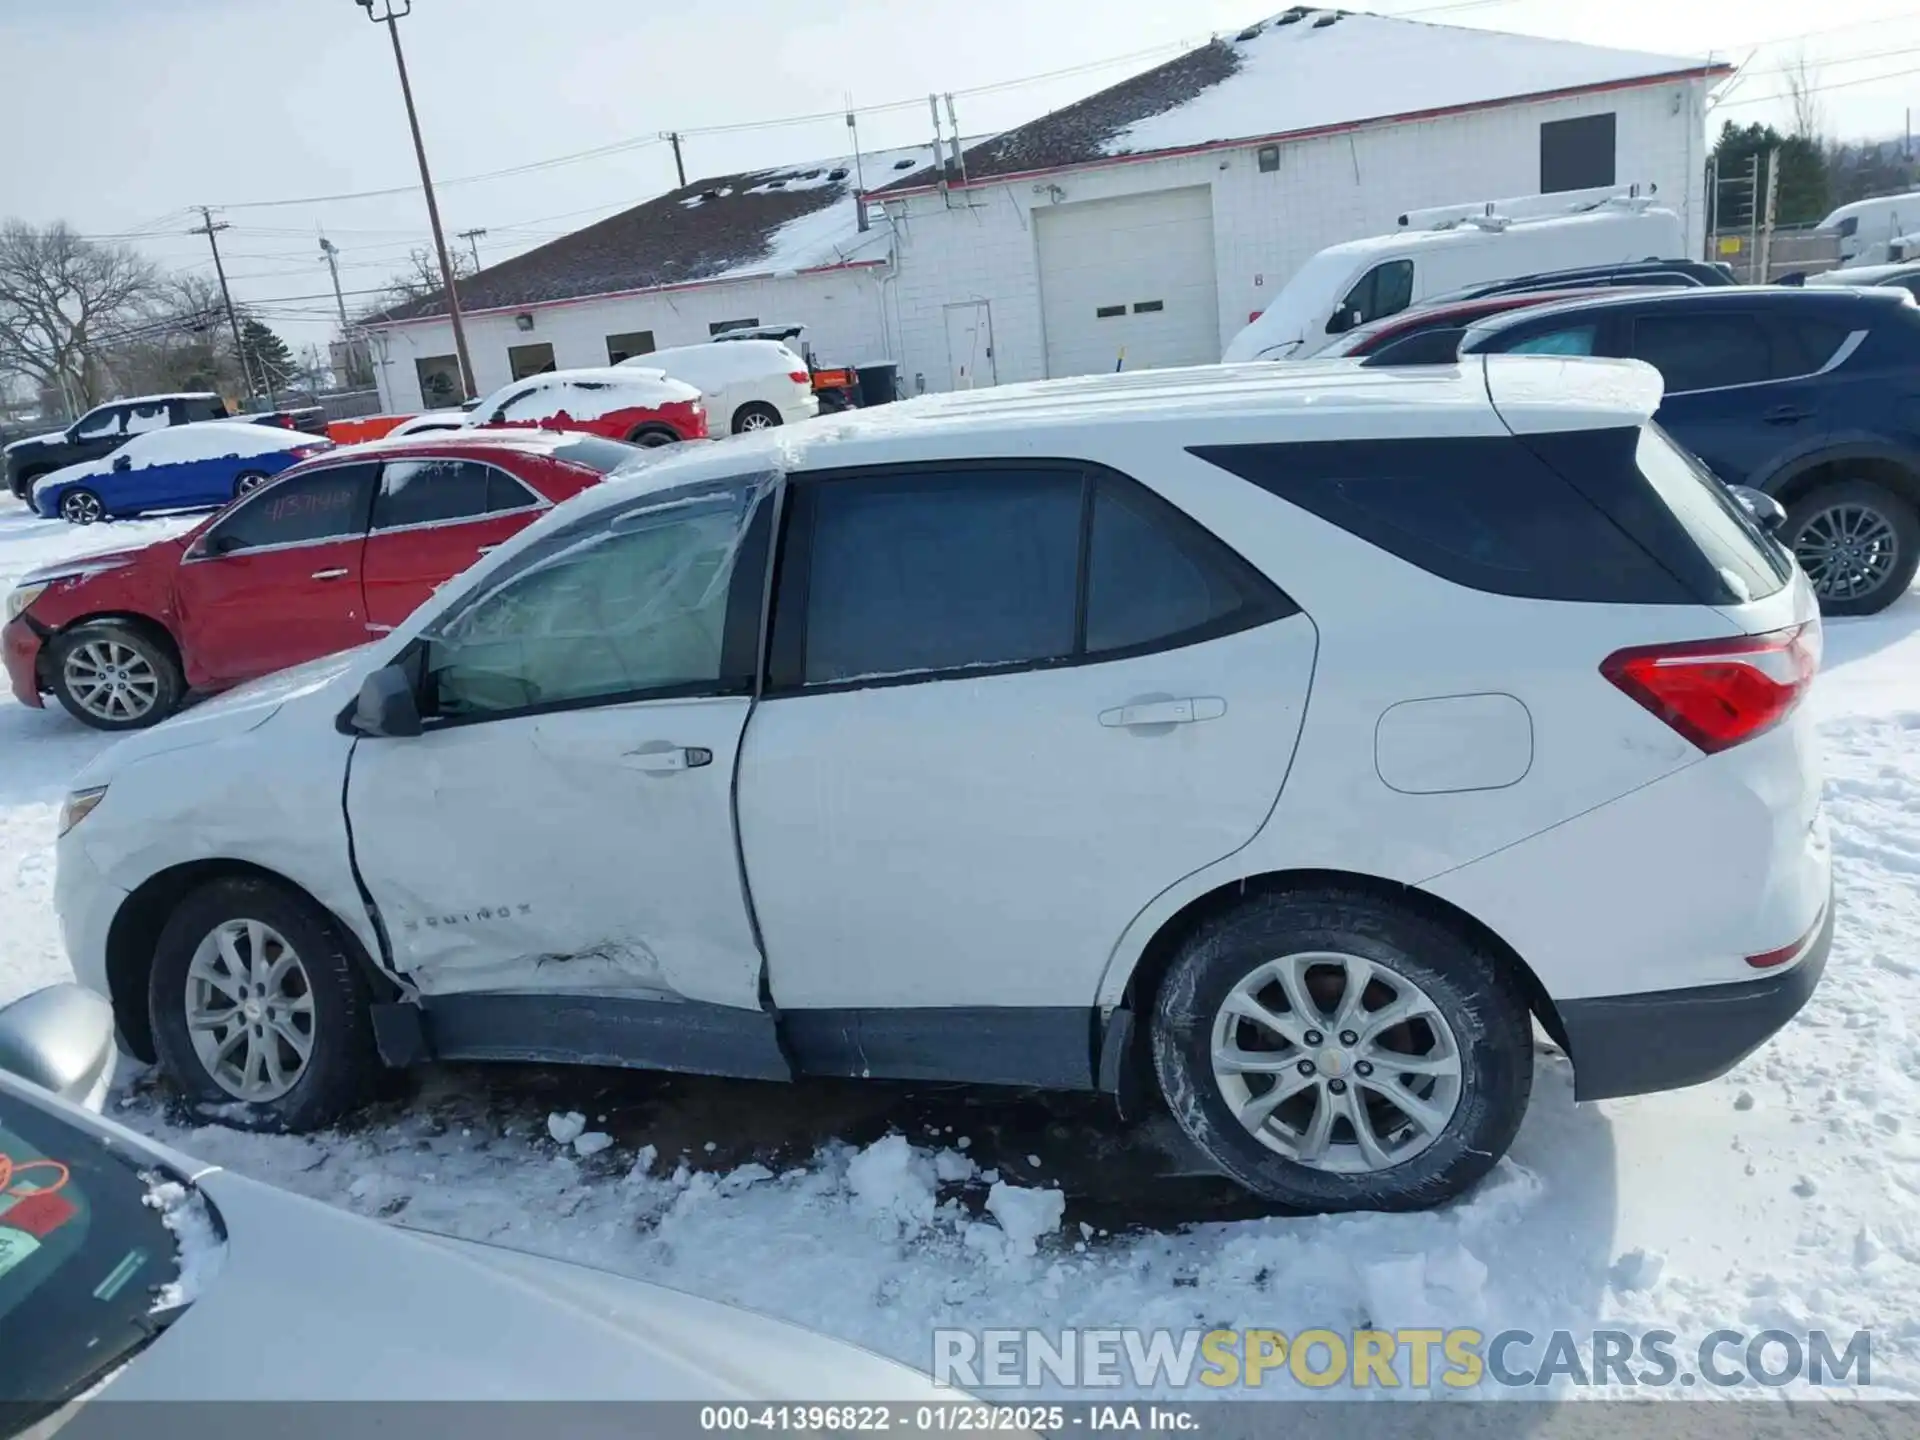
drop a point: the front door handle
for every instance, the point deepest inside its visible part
(1165, 712)
(339, 574)
(667, 761)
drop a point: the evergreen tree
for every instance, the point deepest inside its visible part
(269, 361)
(1803, 197)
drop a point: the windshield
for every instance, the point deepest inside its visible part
(81, 1254)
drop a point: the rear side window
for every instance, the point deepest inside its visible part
(1480, 511)
(428, 492)
(327, 504)
(1437, 346)
(941, 572)
(1575, 340)
(1695, 351)
(594, 453)
(1155, 578)
(1803, 345)
(924, 573)
(1752, 565)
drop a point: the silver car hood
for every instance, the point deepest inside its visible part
(313, 1303)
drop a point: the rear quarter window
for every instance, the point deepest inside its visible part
(1481, 511)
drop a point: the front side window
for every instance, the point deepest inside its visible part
(102, 424)
(1695, 351)
(430, 492)
(637, 603)
(534, 402)
(327, 504)
(1385, 290)
(1575, 340)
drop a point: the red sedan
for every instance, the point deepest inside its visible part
(632, 403)
(328, 555)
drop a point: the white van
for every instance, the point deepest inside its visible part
(747, 384)
(1871, 231)
(1445, 249)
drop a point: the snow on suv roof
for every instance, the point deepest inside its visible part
(1320, 400)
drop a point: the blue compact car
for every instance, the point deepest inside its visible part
(184, 467)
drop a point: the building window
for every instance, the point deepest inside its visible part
(1109, 312)
(625, 347)
(1149, 307)
(1577, 154)
(721, 327)
(525, 360)
(439, 380)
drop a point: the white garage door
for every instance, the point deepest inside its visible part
(1129, 281)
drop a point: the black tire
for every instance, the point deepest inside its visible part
(23, 484)
(149, 667)
(652, 437)
(1481, 1006)
(1848, 501)
(80, 506)
(342, 1070)
(756, 415)
(249, 480)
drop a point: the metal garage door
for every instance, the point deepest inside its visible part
(1129, 278)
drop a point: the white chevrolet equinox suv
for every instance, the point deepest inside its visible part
(1282, 740)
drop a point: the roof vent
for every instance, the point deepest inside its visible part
(1252, 32)
(709, 194)
(839, 172)
(811, 175)
(1327, 19)
(776, 185)
(903, 164)
(1294, 16)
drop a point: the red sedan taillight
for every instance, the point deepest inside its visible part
(1718, 693)
(307, 452)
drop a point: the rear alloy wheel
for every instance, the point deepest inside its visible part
(114, 676)
(259, 1013)
(1331, 1051)
(81, 507)
(251, 480)
(757, 416)
(1859, 544)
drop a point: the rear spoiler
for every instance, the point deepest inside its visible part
(1535, 394)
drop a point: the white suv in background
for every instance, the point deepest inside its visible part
(1281, 739)
(747, 384)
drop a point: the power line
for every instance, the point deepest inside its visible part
(1820, 89)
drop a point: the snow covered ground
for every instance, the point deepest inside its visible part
(1784, 1196)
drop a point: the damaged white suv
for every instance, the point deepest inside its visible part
(1281, 740)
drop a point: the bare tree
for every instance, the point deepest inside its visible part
(1802, 79)
(420, 279)
(61, 299)
(182, 343)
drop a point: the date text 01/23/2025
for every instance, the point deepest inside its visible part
(947, 1417)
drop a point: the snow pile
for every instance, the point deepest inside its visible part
(830, 235)
(202, 1251)
(1309, 73)
(893, 1182)
(1026, 1215)
(565, 1129)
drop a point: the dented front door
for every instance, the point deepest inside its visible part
(565, 822)
(581, 850)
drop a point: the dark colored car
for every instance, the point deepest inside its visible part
(1633, 274)
(1811, 396)
(105, 428)
(324, 557)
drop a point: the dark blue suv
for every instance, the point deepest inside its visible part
(1812, 396)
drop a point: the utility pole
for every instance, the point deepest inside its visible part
(472, 237)
(391, 18)
(331, 252)
(209, 229)
(672, 137)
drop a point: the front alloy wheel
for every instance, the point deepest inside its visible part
(111, 681)
(249, 1009)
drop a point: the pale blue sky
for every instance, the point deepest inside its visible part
(144, 107)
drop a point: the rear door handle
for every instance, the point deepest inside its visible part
(339, 574)
(1165, 712)
(1786, 415)
(667, 761)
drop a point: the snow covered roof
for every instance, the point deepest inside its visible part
(760, 222)
(1303, 71)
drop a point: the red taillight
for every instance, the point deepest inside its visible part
(1717, 693)
(1766, 960)
(307, 452)
(798, 377)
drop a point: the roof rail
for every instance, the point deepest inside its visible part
(1499, 214)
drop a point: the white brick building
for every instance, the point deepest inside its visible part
(1142, 226)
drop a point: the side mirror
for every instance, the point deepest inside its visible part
(1343, 320)
(1767, 511)
(386, 706)
(61, 1039)
(122, 462)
